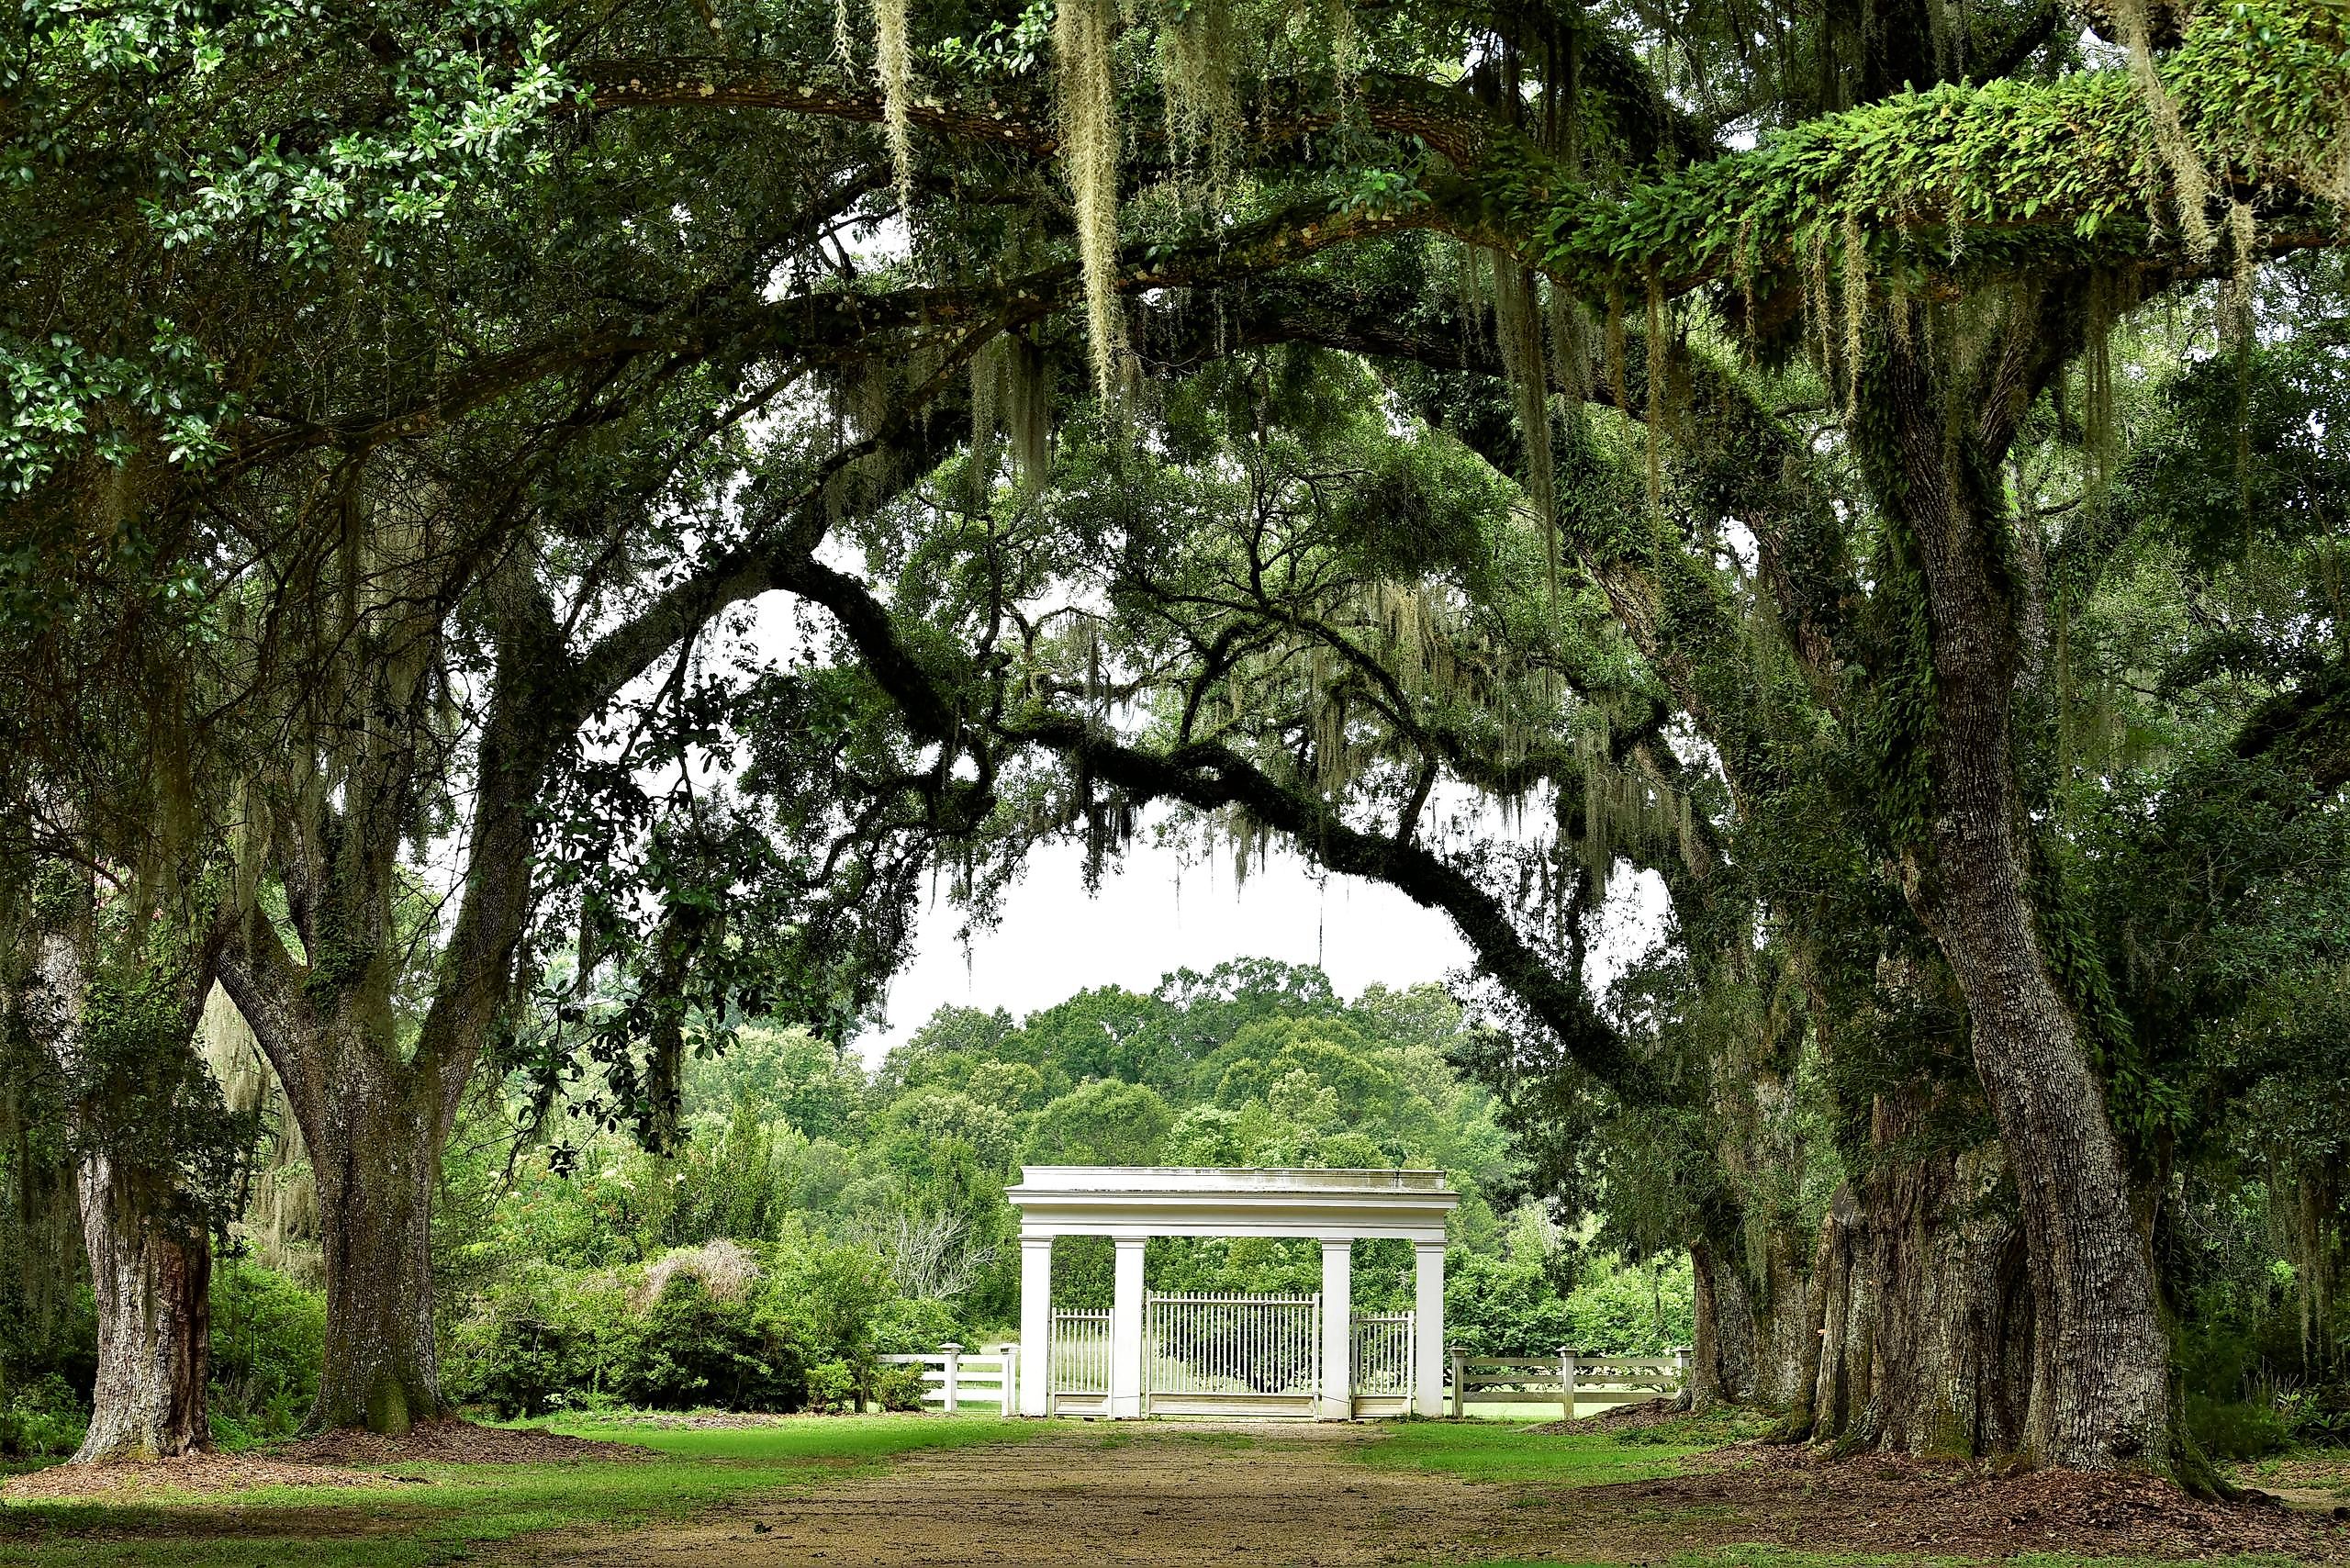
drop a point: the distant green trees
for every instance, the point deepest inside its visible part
(810, 1217)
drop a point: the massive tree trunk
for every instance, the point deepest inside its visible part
(2099, 1389)
(376, 1155)
(1925, 1323)
(374, 1126)
(151, 1279)
(1721, 1369)
(1757, 1329)
(151, 1258)
(374, 1111)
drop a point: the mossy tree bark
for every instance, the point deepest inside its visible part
(376, 1110)
(376, 1154)
(1925, 1308)
(150, 1253)
(151, 1282)
(1941, 422)
(375, 1116)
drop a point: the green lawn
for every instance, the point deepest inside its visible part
(1518, 1456)
(462, 1507)
(458, 1510)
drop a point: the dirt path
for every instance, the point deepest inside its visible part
(1100, 1496)
(1301, 1497)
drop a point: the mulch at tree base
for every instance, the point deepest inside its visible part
(200, 1472)
(1621, 1417)
(1806, 1498)
(452, 1440)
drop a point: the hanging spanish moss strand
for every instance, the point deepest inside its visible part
(1855, 280)
(1818, 311)
(1656, 355)
(893, 53)
(1617, 371)
(1083, 34)
(1517, 333)
(2192, 194)
(1026, 408)
(2243, 240)
(2097, 367)
(1345, 48)
(1198, 71)
(1569, 346)
(988, 373)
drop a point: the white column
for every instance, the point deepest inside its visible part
(1337, 1331)
(1126, 1330)
(1428, 1327)
(1035, 1325)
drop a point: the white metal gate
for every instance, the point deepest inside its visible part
(1382, 1363)
(1217, 1354)
(1078, 1362)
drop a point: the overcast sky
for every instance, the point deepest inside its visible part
(1155, 913)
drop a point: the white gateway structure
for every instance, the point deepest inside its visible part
(1230, 1354)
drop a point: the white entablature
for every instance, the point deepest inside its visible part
(1132, 1204)
(1161, 1200)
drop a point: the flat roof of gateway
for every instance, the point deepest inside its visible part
(1058, 1179)
(1127, 1201)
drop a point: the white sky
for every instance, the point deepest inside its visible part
(1155, 913)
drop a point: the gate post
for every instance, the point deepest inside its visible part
(1125, 1329)
(1427, 1328)
(1337, 1370)
(954, 1354)
(1567, 1381)
(1035, 1325)
(1460, 1379)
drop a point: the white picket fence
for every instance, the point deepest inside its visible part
(954, 1378)
(1569, 1379)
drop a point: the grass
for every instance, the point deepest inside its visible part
(1520, 1456)
(461, 1509)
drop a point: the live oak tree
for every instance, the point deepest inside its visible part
(1946, 251)
(494, 477)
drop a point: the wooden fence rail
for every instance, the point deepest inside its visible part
(1568, 1380)
(953, 1376)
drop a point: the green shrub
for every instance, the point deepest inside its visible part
(696, 1348)
(913, 1326)
(520, 1357)
(1500, 1308)
(836, 1293)
(2235, 1429)
(899, 1387)
(1632, 1309)
(832, 1387)
(43, 1419)
(268, 1338)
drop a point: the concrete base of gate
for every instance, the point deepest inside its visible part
(1238, 1406)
